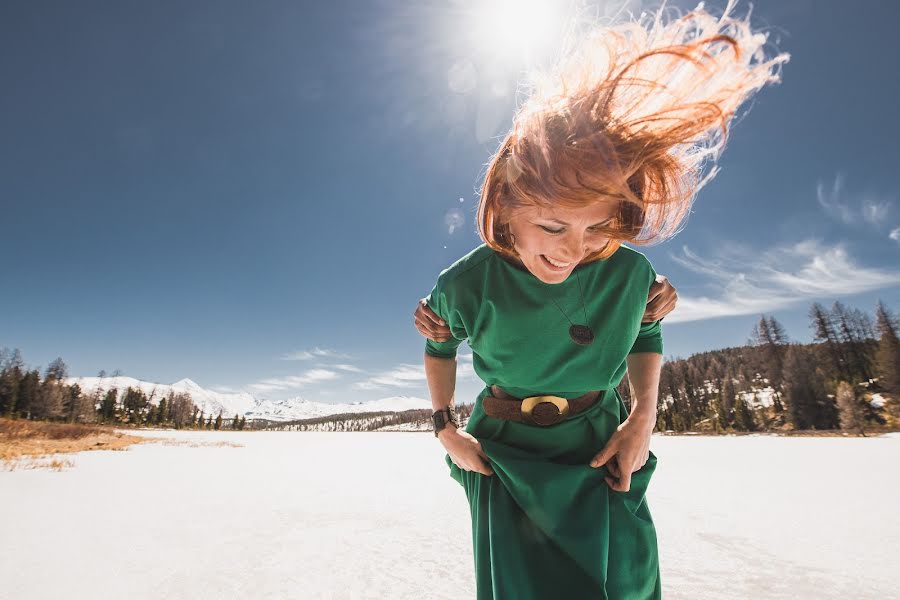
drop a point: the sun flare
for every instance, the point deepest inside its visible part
(518, 30)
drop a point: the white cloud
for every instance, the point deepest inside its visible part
(872, 211)
(454, 219)
(344, 367)
(464, 368)
(749, 282)
(293, 381)
(224, 389)
(314, 353)
(875, 211)
(403, 375)
(830, 201)
(895, 234)
(409, 375)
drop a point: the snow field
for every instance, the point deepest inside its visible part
(376, 515)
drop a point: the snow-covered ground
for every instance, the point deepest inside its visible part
(376, 515)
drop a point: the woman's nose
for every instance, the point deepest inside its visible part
(574, 246)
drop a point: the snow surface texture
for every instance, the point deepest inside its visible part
(243, 403)
(376, 515)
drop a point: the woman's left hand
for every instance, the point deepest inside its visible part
(660, 301)
(626, 452)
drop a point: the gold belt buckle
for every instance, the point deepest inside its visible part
(528, 404)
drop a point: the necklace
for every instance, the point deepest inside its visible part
(580, 334)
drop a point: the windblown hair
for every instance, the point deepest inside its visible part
(636, 113)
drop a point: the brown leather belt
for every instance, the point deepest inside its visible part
(535, 410)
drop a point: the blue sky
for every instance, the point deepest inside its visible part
(255, 195)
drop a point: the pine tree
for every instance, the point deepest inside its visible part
(218, 424)
(48, 401)
(10, 380)
(850, 329)
(800, 389)
(770, 337)
(888, 353)
(743, 416)
(851, 417)
(161, 412)
(108, 405)
(56, 370)
(727, 396)
(824, 331)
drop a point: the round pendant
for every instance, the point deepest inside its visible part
(581, 334)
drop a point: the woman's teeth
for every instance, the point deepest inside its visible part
(557, 264)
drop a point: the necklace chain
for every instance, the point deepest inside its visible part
(583, 307)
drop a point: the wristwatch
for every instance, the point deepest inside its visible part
(440, 419)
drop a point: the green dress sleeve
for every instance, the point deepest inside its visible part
(438, 302)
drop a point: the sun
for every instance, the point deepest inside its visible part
(518, 30)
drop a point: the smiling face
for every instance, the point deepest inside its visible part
(551, 242)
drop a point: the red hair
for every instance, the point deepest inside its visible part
(634, 113)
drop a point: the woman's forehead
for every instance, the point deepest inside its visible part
(592, 213)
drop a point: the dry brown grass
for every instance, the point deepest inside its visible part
(35, 444)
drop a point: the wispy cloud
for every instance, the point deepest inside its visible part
(454, 219)
(408, 375)
(830, 200)
(895, 234)
(224, 389)
(314, 353)
(464, 368)
(403, 375)
(344, 367)
(291, 382)
(864, 210)
(875, 211)
(750, 282)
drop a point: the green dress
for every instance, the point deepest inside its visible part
(546, 525)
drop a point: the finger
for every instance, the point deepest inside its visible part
(426, 323)
(625, 481)
(613, 484)
(613, 467)
(432, 334)
(604, 455)
(429, 314)
(484, 466)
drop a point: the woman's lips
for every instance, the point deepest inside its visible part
(553, 267)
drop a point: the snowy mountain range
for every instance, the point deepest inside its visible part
(245, 404)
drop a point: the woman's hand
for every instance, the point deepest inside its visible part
(626, 452)
(464, 450)
(430, 325)
(661, 300)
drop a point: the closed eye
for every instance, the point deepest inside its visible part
(548, 230)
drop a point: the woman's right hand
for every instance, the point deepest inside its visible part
(464, 450)
(429, 324)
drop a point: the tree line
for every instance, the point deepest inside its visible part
(416, 419)
(24, 394)
(847, 379)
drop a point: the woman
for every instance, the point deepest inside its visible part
(609, 149)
